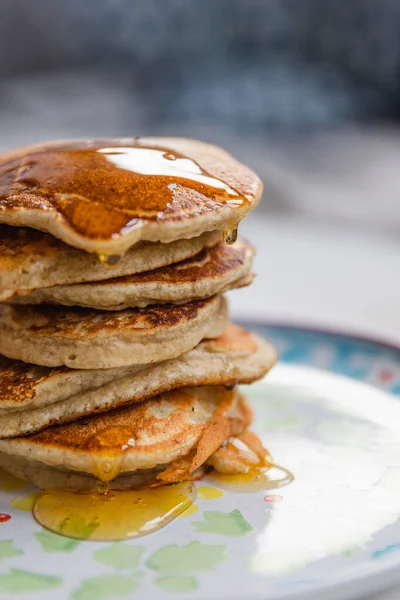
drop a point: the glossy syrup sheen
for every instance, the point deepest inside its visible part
(262, 473)
(102, 191)
(254, 480)
(112, 516)
(107, 514)
(107, 448)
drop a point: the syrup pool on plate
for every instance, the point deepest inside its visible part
(108, 514)
(112, 516)
(253, 481)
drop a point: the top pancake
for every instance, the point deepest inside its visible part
(30, 259)
(106, 195)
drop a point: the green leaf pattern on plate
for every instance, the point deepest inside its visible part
(105, 587)
(232, 524)
(7, 550)
(119, 556)
(51, 542)
(17, 581)
(193, 558)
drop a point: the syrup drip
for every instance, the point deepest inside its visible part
(116, 515)
(103, 488)
(230, 236)
(105, 191)
(109, 261)
(107, 448)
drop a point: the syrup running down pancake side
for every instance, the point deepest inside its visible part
(100, 195)
(130, 448)
(108, 514)
(107, 447)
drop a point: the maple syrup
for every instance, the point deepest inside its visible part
(254, 480)
(261, 474)
(108, 514)
(109, 260)
(107, 448)
(230, 236)
(103, 488)
(112, 516)
(105, 190)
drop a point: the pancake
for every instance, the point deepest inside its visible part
(168, 438)
(213, 271)
(32, 398)
(106, 195)
(30, 259)
(87, 339)
(24, 386)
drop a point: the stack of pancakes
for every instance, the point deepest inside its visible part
(119, 363)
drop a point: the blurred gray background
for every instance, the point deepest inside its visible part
(307, 92)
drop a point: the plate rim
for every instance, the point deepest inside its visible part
(355, 335)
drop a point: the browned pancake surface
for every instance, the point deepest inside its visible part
(237, 356)
(19, 380)
(209, 264)
(79, 323)
(172, 417)
(19, 243)
(85, 191)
